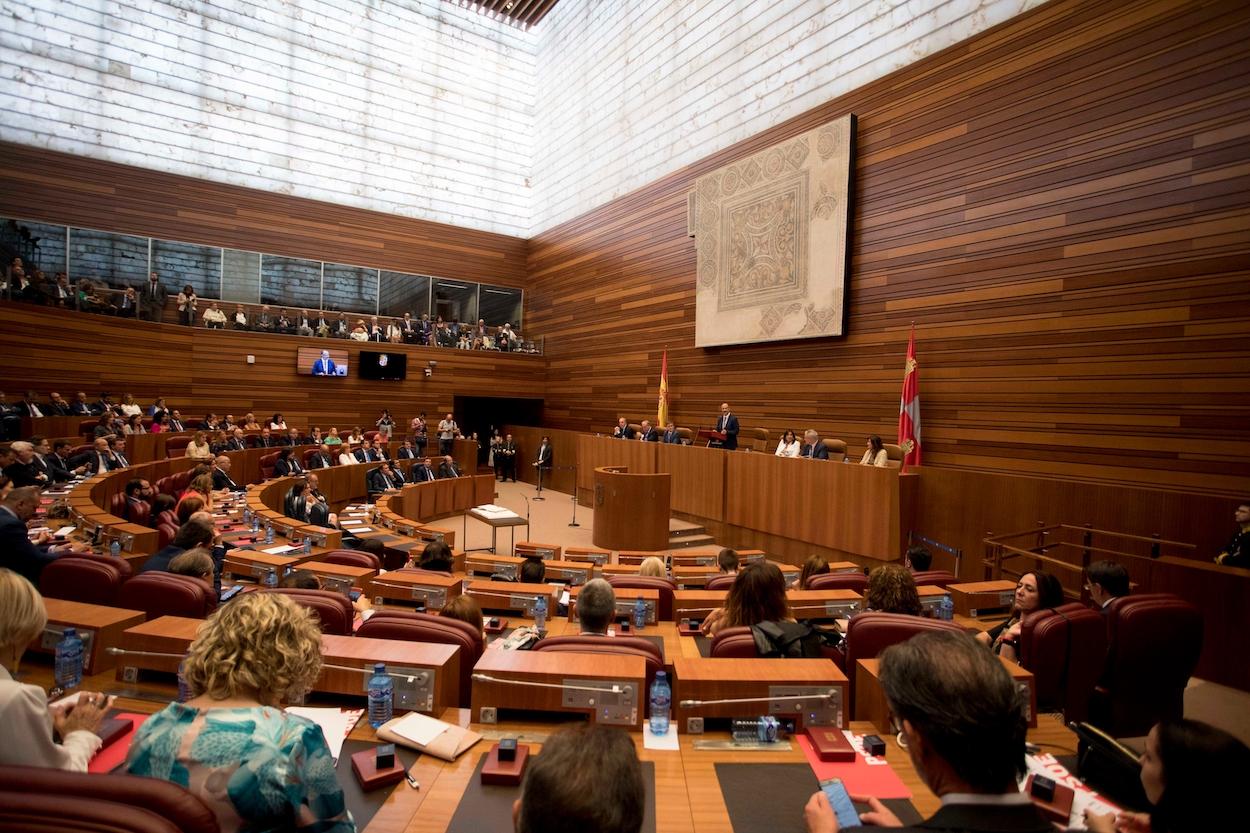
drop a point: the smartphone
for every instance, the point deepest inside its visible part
(354, 594)
(230, 592)
(840, 801)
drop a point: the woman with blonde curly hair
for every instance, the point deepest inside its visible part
(231, 744)
(891, 589)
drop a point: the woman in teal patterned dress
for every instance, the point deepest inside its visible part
(257, 767)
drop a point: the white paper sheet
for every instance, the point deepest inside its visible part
(667, 741)
(280, 550)
(419, 728)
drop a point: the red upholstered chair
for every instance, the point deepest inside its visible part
(38, 799)
(334, 610)
(870, 633)
(372, 436)
(164, 486)
(267, 463)
(735, 643)
(168, 517)
(177, 446)
(1154, 641)
(165, 534)
(181, 480)
(634, 646)
(721, 582)
(352, 558)
(87, 427)
(81, 449)
(83, 578)
(931, 578)
(1066, 649)
(166, 594)
(117, 505)
(139, 512)
(310, 453)
(666, 587)
(411, 626)
(839, 581)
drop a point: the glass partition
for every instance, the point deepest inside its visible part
(290, 283)
(240, 276)
(39, 245)
(350, 288)
(454, 300)
(399, 293)
(499, 305)
(180, 264)
(115, 259)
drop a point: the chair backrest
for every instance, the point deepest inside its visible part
(758, 438)
(165, 534)
(311, 453)
(1066, 649)
(666, 587)
(722, 582)
(411, 626)
(836, 448)
(139, 512)
(736, 643)
(839, 581)
(177, 446)
(685, 433)
(1154, 641)
(81, 449)
(334, 610)
(117, 505)
(167, 594)
(352, 558)
(267, 463)
(45, 799)
(168, 517)
(871, 632)
(934, 578)
(82, 578)
(620, 645)
(87, 427)
(893, 455)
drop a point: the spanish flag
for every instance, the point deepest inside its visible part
(661, 414)
(909, 408)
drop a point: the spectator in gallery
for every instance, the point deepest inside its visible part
(134, 425)
(1237, 553)
(359, 333)
(788, 445)
(395, 331)
(304, 324)
(286, 323)
(128, 306)
(341, 328)
(278, 423)
(264, 321)
(386, 425)
(376, 331)
(250, 423)
(875, 454)
(214, 318)
(463, 343)
(333, 438)
(154, 296)
(239, 320)
(187, 302)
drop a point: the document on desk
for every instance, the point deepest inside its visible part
(667, 741)
(419, 728)
(280, 550)
(336, 724)
(490, 510)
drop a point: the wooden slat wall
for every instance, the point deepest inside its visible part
(199, 370)
(1061, 204)
(70, 190)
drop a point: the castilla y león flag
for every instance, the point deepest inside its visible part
(909, 408)
(661, 415)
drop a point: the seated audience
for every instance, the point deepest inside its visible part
(1034, 591)
(196, 532)
(198, 448)
(238, 321)
(1237, 553)
(586, 778)
(308, 580)
(788, 445)
(196, 563)
(464, 608)
(1192, 774)
(423, 471)
(323, 459)
(346, 458)
(232, 745)
(18, 552)
(201, 486)
(646, 433)
(26, 722)
(1106, 581)
(919, 559)
(812, 446)
(278, 423)
(333, 437)
(652, 566)
(134, 425)
(596, 607)
(287, 464)
(533, 571)
(622, 431)
(891, 589)
(727, 561)
(447, 468)
(250, 423)
(963, 724)
(758, 595)
(436, 556)
(670, 436)
(875, 454)
(385, 479)
(221, 475)
(187, 507)
(813, 566)
(129, 406)
(25, 469)
(160, 505)
(214, 318)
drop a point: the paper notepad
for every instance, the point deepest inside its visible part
(280, 550)
(419, 728)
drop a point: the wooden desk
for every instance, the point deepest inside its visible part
(931, 597)
(570, 572)
(339, 576)
(100, 627)
(978, 598)
(254, 564)
(633, 558)
(697, 604)
(625, 599)
(492, 691)
(512, 596)
(482, 564)
(870, 703)
(693, 578)
(495, 523)
(531, 549)
(426, 675)
(414, 589)
(595, 556)
(823, 604)
(699, 681)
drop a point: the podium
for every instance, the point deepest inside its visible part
(631, 510)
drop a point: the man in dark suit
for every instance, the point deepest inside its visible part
(81, 406)
(505, 459)
(24, 471)
(366, 453)
(265, 440)
(175, 421)
(648, 434)
(287, 464)
(384, 479)
(17, 552)
(118, 446)
(221, 475)
(543, 460)
(423, 472)
(57, 406)
(1106, 581)
(237, 441)
(264, 321)
(10, 420)
(29, 406)
(964, 725)
(322, 459)
(198, 531)
(622, 431)
(293, 438)
(406, 451)
(58, 462)
(100, 458)
(152, 299)
(728, 425)
(671, 437)
(448, 468)
(812, 446)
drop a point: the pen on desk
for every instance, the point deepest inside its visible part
(412, 779)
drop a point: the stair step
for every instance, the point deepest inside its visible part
(687, 541)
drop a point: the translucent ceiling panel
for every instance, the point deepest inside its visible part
(402, 293)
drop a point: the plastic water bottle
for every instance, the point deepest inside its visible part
(184, 690)
(946, 608)
(764, 729)
(69, 660)
(256, 523)
(381, 695)
(640, 614)
(268, 533)
(271, 578)
(247, 516)
(307, 545)
(661, 699)
(115, 548)
(540, 613)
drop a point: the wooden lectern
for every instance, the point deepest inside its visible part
(631, 510)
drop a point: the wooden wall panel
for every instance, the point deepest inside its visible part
(199, 370)
(1061, 204)
(70, 190)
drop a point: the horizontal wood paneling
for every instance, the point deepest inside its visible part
(1061, 204)
(52, 187)
(198, 370)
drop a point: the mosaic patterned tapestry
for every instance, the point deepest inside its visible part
(770, 232)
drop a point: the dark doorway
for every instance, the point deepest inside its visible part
(483, 414)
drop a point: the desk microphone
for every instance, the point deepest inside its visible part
(487, 678)
(117, 652)
(799, 698)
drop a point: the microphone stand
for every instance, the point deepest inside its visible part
(574, 521)
(538, 465)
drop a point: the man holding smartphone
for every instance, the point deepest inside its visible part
(964, 726)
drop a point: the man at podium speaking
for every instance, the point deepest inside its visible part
(325, 366)
(727, 426)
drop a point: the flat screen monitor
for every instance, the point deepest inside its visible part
(315, 361)
(385, 367)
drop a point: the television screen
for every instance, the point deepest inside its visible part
(314, 361)
(387, 367)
